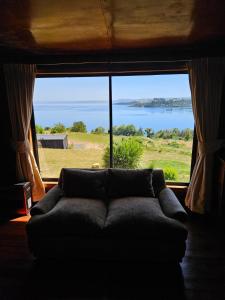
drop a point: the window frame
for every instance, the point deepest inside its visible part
(172, 71)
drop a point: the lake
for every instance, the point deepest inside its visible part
(96, 113)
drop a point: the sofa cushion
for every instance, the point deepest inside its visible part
(141, 217)
(128, 182)
(71, 216)
(84, 183)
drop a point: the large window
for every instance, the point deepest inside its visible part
(152, 123)
(155, 114)
(72, 119)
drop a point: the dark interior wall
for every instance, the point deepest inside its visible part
(7, 157)
(222, 114)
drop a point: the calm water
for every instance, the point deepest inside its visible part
(96, 113)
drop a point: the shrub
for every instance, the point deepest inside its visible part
(98, 130)
(170, 173)
(58, 128)
(39, 129)
(187, 134)
(79, 127)
(126, 154)
(127, 130)
(174, 133)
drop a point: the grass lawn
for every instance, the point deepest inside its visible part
(86, 149)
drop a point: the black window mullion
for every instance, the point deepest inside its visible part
(110, 124)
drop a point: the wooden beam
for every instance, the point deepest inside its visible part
(216, 48)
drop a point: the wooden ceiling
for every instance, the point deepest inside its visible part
(71, 27)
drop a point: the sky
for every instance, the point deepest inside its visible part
(123, 87)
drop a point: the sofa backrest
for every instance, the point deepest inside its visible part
(158, 180)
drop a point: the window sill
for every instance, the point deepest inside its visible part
(49, 185)
(177, 186)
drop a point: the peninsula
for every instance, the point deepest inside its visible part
(157, 102)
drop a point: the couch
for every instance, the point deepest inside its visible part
(109, 214)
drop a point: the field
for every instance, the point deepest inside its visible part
(86, 149)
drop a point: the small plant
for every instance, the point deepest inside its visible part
(150, 142)
(95, 166)
(126, 154)
(170, 173)
(173, 144)
(152, 165)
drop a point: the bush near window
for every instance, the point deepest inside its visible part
(126, 153)
(58, 128)
(78, 127)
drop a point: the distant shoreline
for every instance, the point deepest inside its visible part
(158, 102)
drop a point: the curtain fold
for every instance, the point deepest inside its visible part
(206, 77)
(19, 79)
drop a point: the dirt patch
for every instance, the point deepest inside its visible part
(86, 145)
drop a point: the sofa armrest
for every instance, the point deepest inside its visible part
(47, 202)
(171, 206)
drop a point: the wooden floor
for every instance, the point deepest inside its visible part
(199, 276)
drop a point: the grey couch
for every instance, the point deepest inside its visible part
(108, 214)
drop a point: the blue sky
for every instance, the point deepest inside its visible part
(124, 87)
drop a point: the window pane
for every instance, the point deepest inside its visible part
(153, 123)
(71, 116)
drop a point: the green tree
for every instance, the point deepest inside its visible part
(39, 129)
(149, 132)
(79, 127)
(58, 128)
(126, 153)
(98, 130)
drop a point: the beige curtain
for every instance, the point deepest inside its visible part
(19, 81)
(206, 80)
